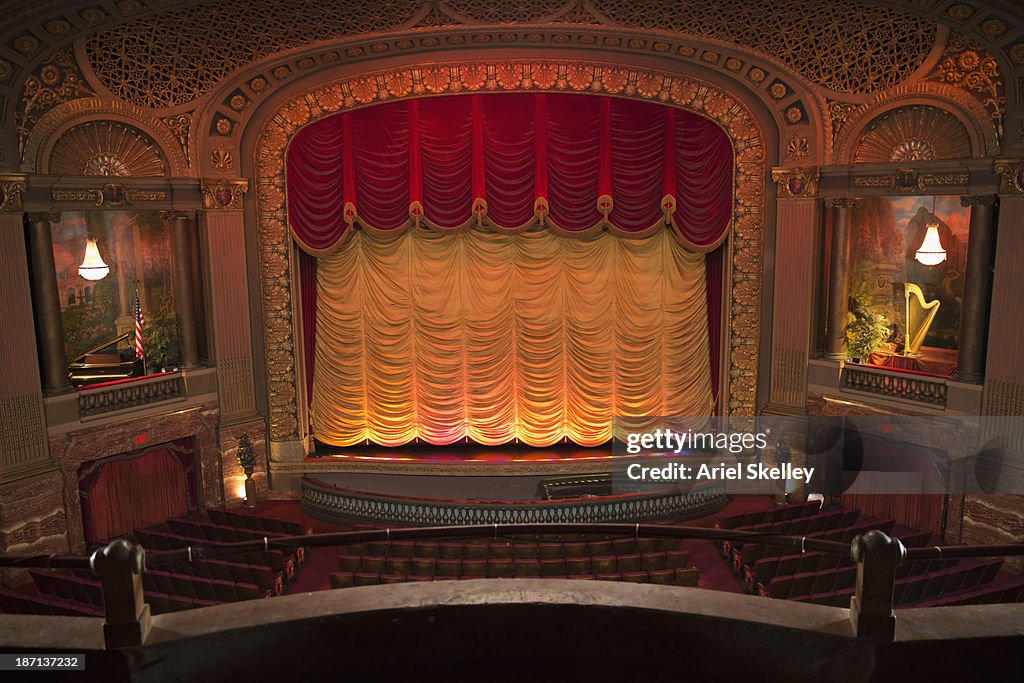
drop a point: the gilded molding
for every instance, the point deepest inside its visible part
(109, 196)
(223, 194)
(798, 182)
(743, 308)
(1011, 175)
(910, 180)
(11, 188)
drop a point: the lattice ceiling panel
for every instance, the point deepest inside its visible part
(845, 46)
(173, 58)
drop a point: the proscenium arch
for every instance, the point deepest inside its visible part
(742, 308)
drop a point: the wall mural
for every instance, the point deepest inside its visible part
(887, 233)
(136, 246)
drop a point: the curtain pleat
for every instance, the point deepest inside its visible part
(494, 336)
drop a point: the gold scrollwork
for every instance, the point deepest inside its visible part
(910, 180)
(797, 182)
(222, 194)
(1011, 175)
(11, 187)
(110, 196)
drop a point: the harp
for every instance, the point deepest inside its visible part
(919, 317)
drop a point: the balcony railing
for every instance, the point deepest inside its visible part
(110, 397)
(895, 384)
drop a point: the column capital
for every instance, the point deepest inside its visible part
(177, 214)
(842, 202)
(43, 217)
(1011, 175)
(223, 194)
(797, 182)
(988, 200)
(11, 187)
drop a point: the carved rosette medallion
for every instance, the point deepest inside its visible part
(706, 99)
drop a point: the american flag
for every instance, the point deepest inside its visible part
(139, 322)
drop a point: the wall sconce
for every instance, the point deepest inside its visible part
(93, 267)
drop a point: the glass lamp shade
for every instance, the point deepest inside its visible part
(93, 267)
(931, 252)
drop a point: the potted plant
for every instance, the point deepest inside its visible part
(246, 455)
(160, 336)
(866, 331)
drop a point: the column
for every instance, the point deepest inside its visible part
(184, 297)
(50, 326)
(839, 277)
(797, 230)
(977, 289)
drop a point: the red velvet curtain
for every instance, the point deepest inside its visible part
(580, 162)
(574, 161)
(917, 511)
(123, 494)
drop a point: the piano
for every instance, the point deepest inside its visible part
(105, 363)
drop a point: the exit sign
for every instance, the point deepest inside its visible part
(140, 439)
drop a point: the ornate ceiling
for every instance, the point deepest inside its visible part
(168, 54)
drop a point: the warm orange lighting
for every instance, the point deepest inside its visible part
(931, 252)
(93, 267)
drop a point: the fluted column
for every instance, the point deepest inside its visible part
(977, 288)
(839, 277)
(49, 325)
(184, 297)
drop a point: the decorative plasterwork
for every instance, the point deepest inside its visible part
(745, 246)
(844, 47)
(910, 180)
(798, 182)
(222, 194)
(1011, 176)
(967, 65)
(106, 148)
(977, 123)
(11, 187)
(55, 81)
(46, 133)
(914, 133)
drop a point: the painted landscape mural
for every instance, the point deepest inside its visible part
(887, 231)
(139, 258)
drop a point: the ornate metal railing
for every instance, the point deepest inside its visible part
(909, 387)
(330, 500)
(112, 397)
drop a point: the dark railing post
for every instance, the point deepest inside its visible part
(119, 566)
(877, 556)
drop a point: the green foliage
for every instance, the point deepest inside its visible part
(866, 331)
(89, 324)
(246, 454)
(160, 335)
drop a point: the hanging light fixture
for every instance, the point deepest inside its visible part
(931, 253)
(93, 267)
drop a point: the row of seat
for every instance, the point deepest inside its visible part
(262, 576)
(990, 594)
(88, 593)
(13, 602)
(163, 540)
(244, 520)
(809, 583)
(773, 514)
(767, 568)
(186, 585)
(667, 577)
(752, 552)
(216, 533)
(525, 550)
(802, 526)
(509, 567)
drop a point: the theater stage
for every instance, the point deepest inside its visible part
(473, 484)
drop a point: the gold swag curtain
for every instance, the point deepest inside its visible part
(499, 336)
